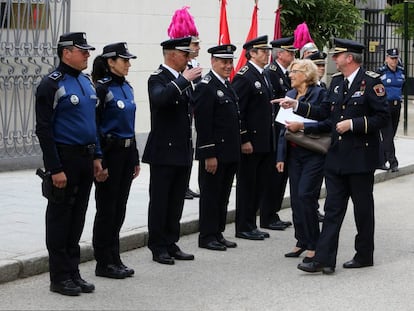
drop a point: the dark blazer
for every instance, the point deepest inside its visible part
(279, 80)
(255, 108)
(314, 96)
(355, 151)
(169, 141)
(217, 120)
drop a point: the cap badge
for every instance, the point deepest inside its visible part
(74, 100)
(258, 85)
(120, 104)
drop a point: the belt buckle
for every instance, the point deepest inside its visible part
(127, 142)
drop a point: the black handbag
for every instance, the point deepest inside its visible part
(315, 142)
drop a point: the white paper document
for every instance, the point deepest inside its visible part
(288, 115)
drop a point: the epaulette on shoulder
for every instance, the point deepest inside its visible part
(105, 80)
(206, 79)
(337, 74)
(243, 70)
(273, 67)
(156, 72)
(372, 74)
(55, 75)
(382, 69)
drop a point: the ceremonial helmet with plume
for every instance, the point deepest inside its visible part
(182, 25)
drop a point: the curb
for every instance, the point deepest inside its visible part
(36, 263)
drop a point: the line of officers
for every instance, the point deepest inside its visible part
(236, 135)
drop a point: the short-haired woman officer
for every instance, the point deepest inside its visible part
(115, 115)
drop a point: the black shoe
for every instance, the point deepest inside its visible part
(228, 243)
(286, 223)
(265, 234)
(188, 196)
(314, 266)
(277, 225)
(213, 245)
(110, 271)
(295, 254)
(250, 235)
(321, 217)
(307, 259)
(128, 271)
(192, 193)
(86, 287)
(180, 255)
(394, 169)
(163, 258)
(66, 287)
(353, 264)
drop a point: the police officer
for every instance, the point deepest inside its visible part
(217, 122)
(257, 137)
(283, 53)
(169, 149)
(65, 126)
(393, 78)
(116, 126)
(318, 59)
(356, 105)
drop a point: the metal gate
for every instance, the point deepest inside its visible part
(378, 35)
(29, 31)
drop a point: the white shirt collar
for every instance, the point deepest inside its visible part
(218, 77)
(257, 67)
(173, 71)
(352, 76)
(281, 67)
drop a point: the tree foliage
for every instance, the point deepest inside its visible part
(325, 18)
(396, 13)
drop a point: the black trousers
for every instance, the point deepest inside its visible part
(168, 185)
(305, 180)
(111, 199)
(214, 198)
(65, 222)
(252, 183)
(389, 132)
(358, 187)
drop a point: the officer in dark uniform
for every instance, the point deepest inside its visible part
(356, 105)
(393, 78)
(169, 149)
(216, 114)
(283, 54)
(257, 137)
(115, 115)
(65, 126)
(318, 59)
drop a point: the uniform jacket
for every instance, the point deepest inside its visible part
(279, 80)
(169, 141)
(355, 151)
(217, 120)
(256, 111)
(393, 81)
(115, 112)
(65, 113)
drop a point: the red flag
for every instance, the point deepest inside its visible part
(278, 28)
(250, 36)
(224, 35)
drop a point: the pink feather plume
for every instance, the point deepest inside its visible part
(182, 24)
(302, 36)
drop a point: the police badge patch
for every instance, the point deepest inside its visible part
(379, 90)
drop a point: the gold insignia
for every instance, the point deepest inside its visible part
(206, 79)
(379, 90)
(243, 70)
(273, 67)
(158, 71)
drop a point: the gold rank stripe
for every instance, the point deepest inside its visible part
(206, 146)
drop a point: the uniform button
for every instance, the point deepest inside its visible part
(227, 101)
(176, 102)
(343, 107)
(366, 144)
(340, 138)
(342, 117)
(170, 144)
(260, 92)
(254, 131)
(222, 140)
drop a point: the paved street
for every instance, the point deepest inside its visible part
(254, 276)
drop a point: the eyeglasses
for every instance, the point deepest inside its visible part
(295, 71)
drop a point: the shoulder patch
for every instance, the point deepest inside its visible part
(243, 70)
(206, 79)
(105, 80)
(55, 75)
(372, 74)
(379, 90)
(273, 67)
(337, 74)
(156, 72)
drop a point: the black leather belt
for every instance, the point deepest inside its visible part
(120, 142)
(83, 150)
(394, 102)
